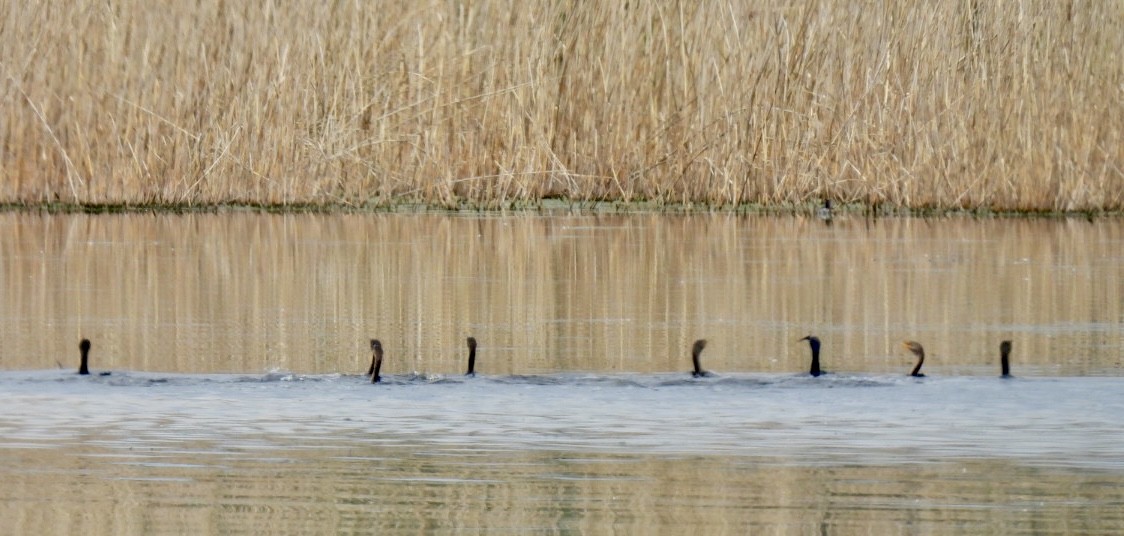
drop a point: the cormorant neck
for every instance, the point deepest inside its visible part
(916, 372)
(696, 358)
(1004, 361)
(84, 347)
(816, 360)
(376, 361)
(376, 365)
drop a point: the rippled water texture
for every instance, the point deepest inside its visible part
(237, 403)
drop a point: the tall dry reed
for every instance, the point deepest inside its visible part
(1006, 105)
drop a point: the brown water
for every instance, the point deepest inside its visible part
(319, 491)
(303, 293)
(228, 334)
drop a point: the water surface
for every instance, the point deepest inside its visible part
(158, 453)
(237, 403)
(622, 293)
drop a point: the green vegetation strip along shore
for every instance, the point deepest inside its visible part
(1003, 106)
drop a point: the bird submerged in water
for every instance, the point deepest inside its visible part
(696, 355)
(471, 357)
(814, 343)
(83, 367)
(915, 348)
(1004, 361)
(376, 361)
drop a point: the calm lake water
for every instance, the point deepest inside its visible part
(237, 401)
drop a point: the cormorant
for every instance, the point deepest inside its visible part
(84, 347)
(471, 357)
(696, 352)
(814, 342)
(916, 349)
(1004, 363)
(376, 361)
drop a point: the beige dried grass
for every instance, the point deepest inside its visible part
(1007, 106)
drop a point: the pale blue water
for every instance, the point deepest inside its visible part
(834, 419)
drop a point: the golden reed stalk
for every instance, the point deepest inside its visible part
(943, 105)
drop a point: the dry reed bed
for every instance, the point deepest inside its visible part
(1003, 105)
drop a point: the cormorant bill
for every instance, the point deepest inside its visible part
(696, 352)
(1004, 363)
(916, 349)
(84, 347)
(471, 357)
(814, 342)
(376, 361)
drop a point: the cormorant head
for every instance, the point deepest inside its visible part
(914, 347)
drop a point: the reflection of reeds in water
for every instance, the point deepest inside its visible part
(1007, 105)
(318, 489)
(249, 292)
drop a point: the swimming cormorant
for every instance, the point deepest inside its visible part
(83, 368)
(814, 342)
(471, 357)
(84, 347)
(376, 361)
(696, 352)
(1004, 363)
(916, 349)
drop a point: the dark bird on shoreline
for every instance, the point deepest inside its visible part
(1004, 359)
(915, 348)
(83, 367)
(696, 354)
(376, 361)
(471, 357)
(814, 343)
(825, 212)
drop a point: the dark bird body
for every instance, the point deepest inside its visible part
(825, 212)
(376, 361)
(1004, 359)
(696, 355)
(84, 347)
(84, 366)
(471, 357)
(814, 343)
